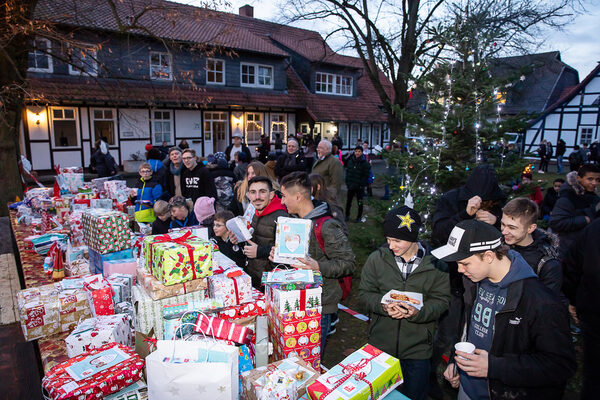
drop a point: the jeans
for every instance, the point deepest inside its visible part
(416, 378)
(325, 327)
(559, 164)
(591, 354)
(358, 192)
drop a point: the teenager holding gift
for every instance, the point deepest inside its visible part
(329, 248)
(398, 329)
(520, 329)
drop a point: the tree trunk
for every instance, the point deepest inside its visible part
(10, 179)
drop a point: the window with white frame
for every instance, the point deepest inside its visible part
(340, 85)
(257, 75)
(65, 130)
(215, 71)
(366, 133)
(586, 136)
(354, 132)
(386, 133)
(39, 58)
(304, 128)
(83, 60)
(160, 66)
(254, 127)
(278, 126)
(376, 135)
(104, 123)
(161, 127)
(215, 123)
(343, 134)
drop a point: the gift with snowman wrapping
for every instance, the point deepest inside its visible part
(94, 374)
(93, 333)
(177, 257)
(368, 373)
(256, 385)
(48, 310)
(295, 323)
(158, 291)
(106, 231)
(233, 285)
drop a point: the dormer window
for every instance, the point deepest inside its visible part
(340, 85)
(39, 57)
(83, 60)
(160, 66)
(215, 71)
(255, 75)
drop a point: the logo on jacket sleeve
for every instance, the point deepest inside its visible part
(515, 321)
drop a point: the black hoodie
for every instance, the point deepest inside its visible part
(197, 182)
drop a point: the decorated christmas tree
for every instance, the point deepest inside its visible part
(287, 307)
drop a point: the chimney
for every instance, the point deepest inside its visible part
(247, 11)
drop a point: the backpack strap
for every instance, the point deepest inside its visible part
(540, 264)
(318, 231)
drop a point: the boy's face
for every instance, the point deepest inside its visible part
(589, 181)
(290, 197)
(164, 217)
(220, 228)
(515, 230)
(556, 186)
(475, 268)
(189, 160)
(259, 195)
(179, 212)
(358, 153)
(399, 247)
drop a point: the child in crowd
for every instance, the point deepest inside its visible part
(241, 165)
(219, 235)
(149, 190)
(204, 210)
(182, 214)
(162, 222)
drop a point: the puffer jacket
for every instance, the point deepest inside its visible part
(288, 163)
(410, 337)
(569, 212)
(148, 192)
(264, 224)
(357, 172)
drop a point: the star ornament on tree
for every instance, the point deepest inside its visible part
(406, 221)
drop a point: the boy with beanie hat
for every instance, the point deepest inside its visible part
(405, 264)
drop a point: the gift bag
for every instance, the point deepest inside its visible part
(99, 293)
(193, 370)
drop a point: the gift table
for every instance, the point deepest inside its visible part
(51, 350)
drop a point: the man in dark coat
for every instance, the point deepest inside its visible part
(196, 180)
(520, 329)
(576, 205)
(235, 147)
(581, 268)
(173, 165)
(291, 161)
(357, 177)
(561, 149)
(550, 198)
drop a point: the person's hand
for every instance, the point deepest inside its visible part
(307, 263)
(473, 205)
(250, 249)
(485, 216)
(476, 364)
(573, 312)
(232, 238)
(451, 376)
(587, 219)
(392, 310)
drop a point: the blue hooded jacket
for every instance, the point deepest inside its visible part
(148, 192)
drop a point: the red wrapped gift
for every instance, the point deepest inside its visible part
(221, 329)
(94, 374)
(99, 293)
(254, 308)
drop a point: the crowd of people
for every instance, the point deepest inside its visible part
(490, 276)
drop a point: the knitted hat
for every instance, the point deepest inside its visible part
(148, 147)
(204, 208)
(402, 223)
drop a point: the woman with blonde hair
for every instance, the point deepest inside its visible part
(240, 201)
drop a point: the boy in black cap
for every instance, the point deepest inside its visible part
(398, 329)
(520, 329)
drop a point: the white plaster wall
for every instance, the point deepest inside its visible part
(68, 158)
(40, 156)
(134, 124)
(188, 123)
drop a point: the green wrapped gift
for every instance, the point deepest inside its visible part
(177, 258)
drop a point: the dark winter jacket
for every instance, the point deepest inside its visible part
(160, 227)
(412, 337)
(244, 149)
(234, 252)
(357, 172)
(264, 224)
(147, 193)
(531, 355)
(561, 148)
(170, 174)
(288, 163)
(542, 256)
(190, 220)
(549, 201)
(581, 269)
(570, 210)
(224, 183)
(331, 169)
(338, 259)
(197, 183)
(103, 164)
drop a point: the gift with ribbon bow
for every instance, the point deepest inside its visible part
(100, 295)
(368, 373)
(157, 290)
(221, 329)
(233, 285)
(177, 258)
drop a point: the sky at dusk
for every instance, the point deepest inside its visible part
(578, 42)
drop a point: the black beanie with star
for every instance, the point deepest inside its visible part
(402, 223)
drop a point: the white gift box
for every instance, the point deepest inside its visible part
(93, 333)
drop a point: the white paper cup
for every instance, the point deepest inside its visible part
(465, 347)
